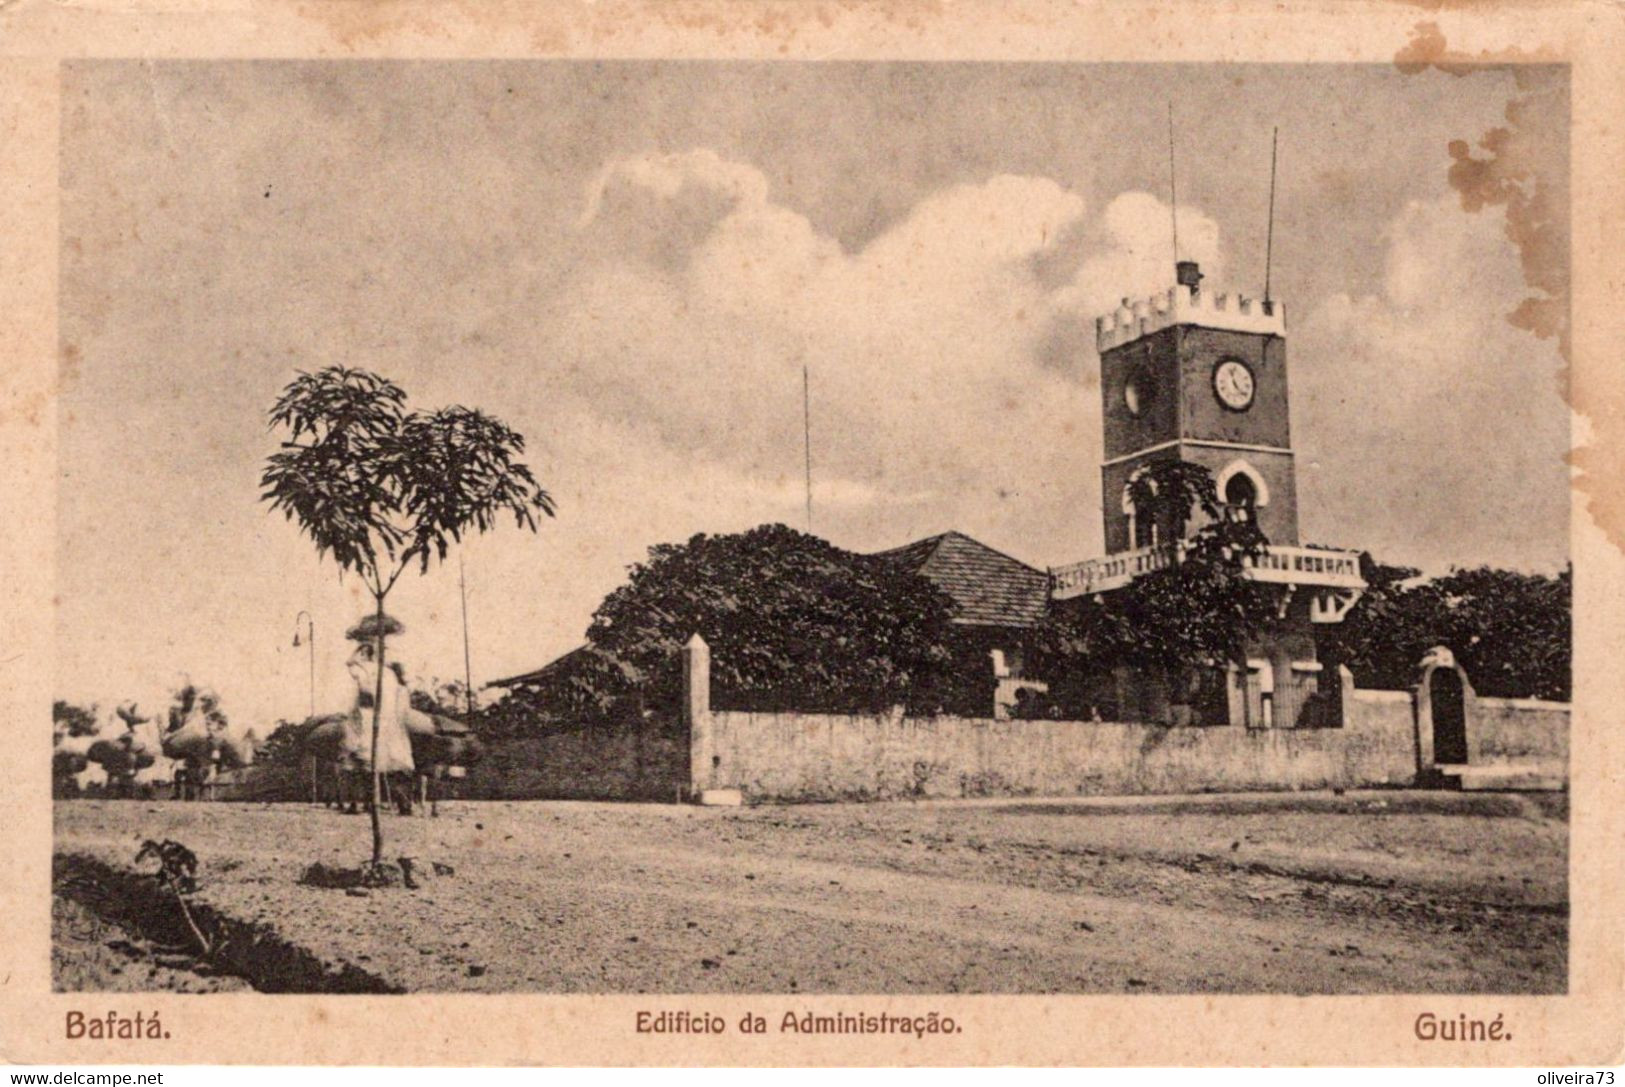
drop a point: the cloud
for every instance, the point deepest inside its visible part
(951, 358)
(643, 319)
(669, 176)
(1134, 255)
(1437, 408)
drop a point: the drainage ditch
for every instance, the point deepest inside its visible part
(250, 950)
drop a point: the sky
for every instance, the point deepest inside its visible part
(631, 262)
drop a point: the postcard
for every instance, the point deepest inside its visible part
(834, 534)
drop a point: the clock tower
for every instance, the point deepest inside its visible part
(1201, 377)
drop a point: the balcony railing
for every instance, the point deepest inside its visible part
(1304, 566)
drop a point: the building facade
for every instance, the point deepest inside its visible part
(1197, 376)
(997, 600)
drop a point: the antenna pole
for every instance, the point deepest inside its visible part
(806, 437)
(468, 668)
(1269, 235)
(1173, 187)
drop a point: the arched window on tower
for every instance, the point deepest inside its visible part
(1242, 491)
(1241, 497)
(1142, 529)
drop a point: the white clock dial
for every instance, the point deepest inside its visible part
(1233, 384)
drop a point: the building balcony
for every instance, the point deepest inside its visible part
(1302, 567)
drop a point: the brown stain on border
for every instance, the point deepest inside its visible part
(1510, 174)
(1507, 168)
(356, 25)
(1429, 49)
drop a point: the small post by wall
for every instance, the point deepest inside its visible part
(697, 715)
(1345, 687)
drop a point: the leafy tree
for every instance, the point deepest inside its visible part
(284, 747)
(1170, 493)
(1197, 609)
(70, 722)
(585, 686)
(381, 488)
(1511, 631)
(68, 719)
(1176, 494)
(444, 698)
(792, 621)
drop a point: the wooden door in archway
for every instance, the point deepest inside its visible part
(1449, 718)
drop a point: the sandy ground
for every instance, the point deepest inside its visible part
(1309, 893)
(90, 953)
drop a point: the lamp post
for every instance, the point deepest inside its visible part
(310, 640)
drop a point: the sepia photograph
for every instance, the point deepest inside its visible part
(714, 526)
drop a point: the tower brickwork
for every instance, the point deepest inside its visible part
(1200, 377)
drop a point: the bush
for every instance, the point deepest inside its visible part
(1511, 631)
(793, 622)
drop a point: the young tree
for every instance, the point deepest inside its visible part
(380, 488)
(1200, 607)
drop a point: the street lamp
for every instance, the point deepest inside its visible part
(310, 640)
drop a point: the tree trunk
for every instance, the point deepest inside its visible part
(377, 719)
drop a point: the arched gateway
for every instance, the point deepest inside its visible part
(1444, 698)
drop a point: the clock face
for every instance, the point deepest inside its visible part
(1233, 384)
(1139, 390)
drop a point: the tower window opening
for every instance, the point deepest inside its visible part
(1242, 491)
(1142, 527)
(1241, 497)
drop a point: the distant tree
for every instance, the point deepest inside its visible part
(793, 622)
(68, 719)
(444, 697)
(1511, 631)
(280, 768)
(70, 723)
(380, 488)
(284, 747)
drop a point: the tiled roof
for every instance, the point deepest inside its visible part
(990, 587)
(551, 668)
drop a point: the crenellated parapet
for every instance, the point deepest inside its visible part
(1187, 305)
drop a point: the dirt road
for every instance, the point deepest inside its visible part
(1374, 892)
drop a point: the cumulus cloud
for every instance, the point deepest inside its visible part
(951, 357)
(1411, 377)
(953, 385)
(1134, 253)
